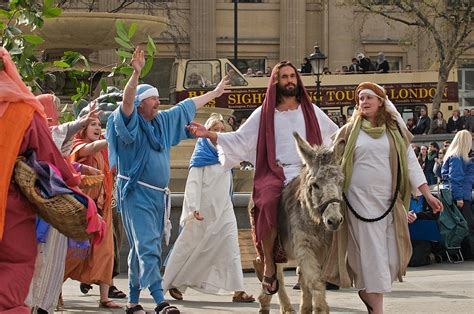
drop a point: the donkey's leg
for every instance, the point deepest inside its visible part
(265, 301)
(319, 298)
(311, 271)
(305, 302)
(283, 298)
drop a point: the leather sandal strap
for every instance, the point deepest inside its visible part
(136, 308)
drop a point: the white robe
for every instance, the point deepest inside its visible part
(241, 145)
(372, 246)
(206, 255)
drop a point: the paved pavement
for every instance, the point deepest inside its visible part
(438, 288)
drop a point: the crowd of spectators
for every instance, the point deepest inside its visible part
(422, 124)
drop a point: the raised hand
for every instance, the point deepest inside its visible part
(93, 114)
(222, 86)
(138, 60)
(197, 129)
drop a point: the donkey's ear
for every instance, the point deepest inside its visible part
(338, 150)
(305, 150)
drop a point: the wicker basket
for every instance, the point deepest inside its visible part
(63, 212)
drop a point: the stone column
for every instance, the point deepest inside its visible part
(293, 31)
(203, 29)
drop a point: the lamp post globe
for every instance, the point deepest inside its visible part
(317, 60)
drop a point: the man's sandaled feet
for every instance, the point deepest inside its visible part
(116, 293)
(176, 294)
(369, 308)
(109, 305)
(166, 308)
(270, 281)
(242, 297)
(134, 309)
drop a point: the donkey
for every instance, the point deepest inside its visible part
(309, 212)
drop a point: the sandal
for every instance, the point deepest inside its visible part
(166, 308)
(369, 308)
(85, 287)
(116, 293)
(270, 281)
(109, 305)
(136, 308)
(176, 294)
(243, 297)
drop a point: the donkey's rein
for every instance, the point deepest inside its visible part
(325, 205)
(397, 189)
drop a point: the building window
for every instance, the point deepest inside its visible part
(202, 74)
(466, 85)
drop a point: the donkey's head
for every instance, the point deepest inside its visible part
(321, 182)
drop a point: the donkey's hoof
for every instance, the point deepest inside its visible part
(264, 311)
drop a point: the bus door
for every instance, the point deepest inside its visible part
(235, 77)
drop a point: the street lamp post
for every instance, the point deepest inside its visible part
(317, 59)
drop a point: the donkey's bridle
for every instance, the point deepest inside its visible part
(325, 205)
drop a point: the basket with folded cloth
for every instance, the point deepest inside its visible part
(63, 211)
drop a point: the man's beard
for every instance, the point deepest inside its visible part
(284, 91)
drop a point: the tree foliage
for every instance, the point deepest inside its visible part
(18, 21)
(448, 22)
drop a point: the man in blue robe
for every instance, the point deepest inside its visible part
(139, 140)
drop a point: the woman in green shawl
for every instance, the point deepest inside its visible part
(381, 171)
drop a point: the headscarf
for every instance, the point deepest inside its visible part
(49, 104)
(399, 134)
(269, 177)
(380, 57)
(144, 91)
(12, 87)
(205, 154)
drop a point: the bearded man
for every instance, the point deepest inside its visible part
(266, 140)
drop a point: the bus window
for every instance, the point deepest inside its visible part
(235, 78)
(202, 74)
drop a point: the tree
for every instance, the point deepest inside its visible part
(18, 21)
(448, 22)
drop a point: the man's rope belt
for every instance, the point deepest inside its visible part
(166, 217)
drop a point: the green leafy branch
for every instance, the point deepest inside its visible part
(125, 52)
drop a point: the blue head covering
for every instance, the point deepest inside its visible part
(205, 154)
(143, 92)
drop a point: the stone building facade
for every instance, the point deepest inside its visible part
(273, 30)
